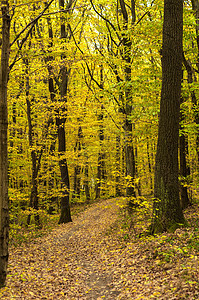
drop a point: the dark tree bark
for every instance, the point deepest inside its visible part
(126, 18)
(168, 213)
(34, 199)
(101, 157)
(149, 166)
(4, 212)
(118, 190)
(138, 184)
(101, 154)
(130, 159)
(86, 170)
(65, 215)
(77, 168)
(4, 70)
(184, 168)
(195, 7)
(191, 75)
(190, 79)
(86, 183)
(128, 126)
(49, 59)
(184, 171)
(13, 181)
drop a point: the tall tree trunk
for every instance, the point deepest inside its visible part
(184, 169)
(101, 157)
(101, 154)
(128, 126)
(168, 213)
(65, 215)
(125, 20)
(149, 165)
(118, 192)
(190, 71)
(4, 213)
(138, 184)
(49, 59)
(77, 168)
(130, 160)
(86, 171)
(86, 183)
(34, 198)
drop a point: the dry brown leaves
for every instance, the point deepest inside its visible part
(85, 260)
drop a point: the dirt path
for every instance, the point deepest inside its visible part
(80, 260)
(68, 264)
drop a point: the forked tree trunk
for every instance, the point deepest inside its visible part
(4, 212)
(168, 213)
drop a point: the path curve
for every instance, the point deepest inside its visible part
(89, 259)
(70, 263)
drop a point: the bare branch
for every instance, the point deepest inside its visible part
(65, 10)
(105, 19)
(124, 11)
(32, 23)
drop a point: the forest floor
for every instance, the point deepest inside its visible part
(101, 255)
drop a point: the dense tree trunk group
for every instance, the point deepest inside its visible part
(84, 109)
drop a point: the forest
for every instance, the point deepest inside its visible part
(98, 101)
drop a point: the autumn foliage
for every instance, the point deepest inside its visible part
(83, 96)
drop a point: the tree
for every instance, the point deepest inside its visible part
(60, 122)
(191, 71)
(4, 213)
(184, 166)
(4, 76)
(117, 112)
(77, 168)
(101, 155)
(167, 210)
(120, 45)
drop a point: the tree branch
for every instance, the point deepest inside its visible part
(33, 22)
(105, 19)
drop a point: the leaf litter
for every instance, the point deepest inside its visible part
(96, 257)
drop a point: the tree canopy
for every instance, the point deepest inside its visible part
(83, 98)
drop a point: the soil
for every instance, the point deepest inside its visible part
(88, 259)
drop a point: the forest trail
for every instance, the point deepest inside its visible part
(70, 263)
(85, 259)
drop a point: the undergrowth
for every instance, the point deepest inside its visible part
(20, 232)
